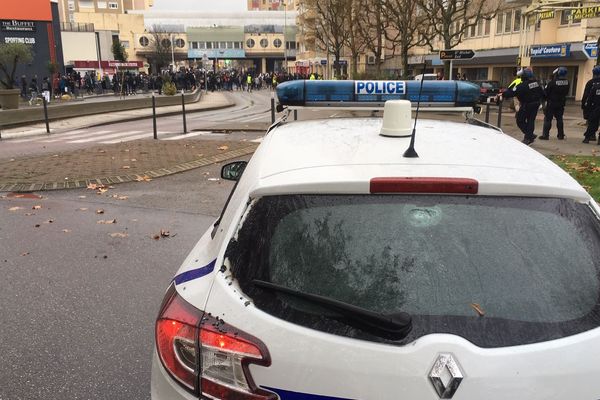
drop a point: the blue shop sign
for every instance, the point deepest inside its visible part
(590, 49)
(550, 51)
(216, 53)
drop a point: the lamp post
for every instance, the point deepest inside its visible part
(284, 38)
(173, 51)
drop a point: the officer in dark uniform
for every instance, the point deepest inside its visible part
(590, 103)
(556, 95)
(530, 94)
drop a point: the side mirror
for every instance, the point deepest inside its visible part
(233, 171)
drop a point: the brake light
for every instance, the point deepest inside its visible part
(206, 355)
(424, 185)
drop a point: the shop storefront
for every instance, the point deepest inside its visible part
(107, 67)
(36, 25)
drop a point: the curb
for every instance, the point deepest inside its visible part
(110, 180)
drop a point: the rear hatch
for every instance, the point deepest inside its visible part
(499, 296)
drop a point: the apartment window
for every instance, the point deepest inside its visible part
(499, 23)
(264, 43)
(86, 3)
(250, 43)
(507, 21)
(472, 28)
(71, 6)
(565, 18)
(209, 45)
(215, 45)
(237, 45)
(201, 45)
(113, 6)
(486, 27)
(125, 44)
(277, 43)
(480, 27)
(517, 21)
(101, 4)
(193, 45)
(144, 42)
(180, 43)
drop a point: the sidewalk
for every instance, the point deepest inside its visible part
(209, 101)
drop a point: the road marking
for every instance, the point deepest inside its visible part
(259, 140)
(68, 136)
(253, 118)
(188, 135)
(97, 138)
(146, 135)
(45, 139)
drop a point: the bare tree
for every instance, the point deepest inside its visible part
(404, 28)
(356, 44)
(160, 48)
(447, 21)
(372, 30)
(330, 27)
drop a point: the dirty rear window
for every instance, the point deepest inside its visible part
(497, 271)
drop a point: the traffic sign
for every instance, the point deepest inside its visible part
(591, 49)
(456, 54)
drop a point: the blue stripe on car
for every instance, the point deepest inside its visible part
(289, 395)
(195, 273)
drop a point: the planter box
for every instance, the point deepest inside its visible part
(9, 99)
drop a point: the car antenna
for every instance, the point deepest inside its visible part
(411, 152)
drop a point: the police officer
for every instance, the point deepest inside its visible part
(530, 94)
(556, 95)
(513, 84)
(590, 103)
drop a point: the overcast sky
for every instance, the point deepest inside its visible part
(200, 5)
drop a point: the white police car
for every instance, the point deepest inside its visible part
(341, 269)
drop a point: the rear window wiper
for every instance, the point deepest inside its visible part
(394, 326)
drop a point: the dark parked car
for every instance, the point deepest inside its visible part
(488, 89)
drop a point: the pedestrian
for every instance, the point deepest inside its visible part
(530, 94)
(590, 103)
(46, 89)
(24, 86)
(249, 82)
(556, 91)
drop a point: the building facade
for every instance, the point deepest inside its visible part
(36, 25)
(271, 5)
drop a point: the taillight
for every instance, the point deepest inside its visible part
(206, 355)
(424, 185)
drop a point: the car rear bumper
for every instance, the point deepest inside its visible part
(163, 387)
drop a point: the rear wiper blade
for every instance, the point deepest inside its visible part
(394, 326)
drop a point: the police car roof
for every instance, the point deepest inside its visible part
(342, 155)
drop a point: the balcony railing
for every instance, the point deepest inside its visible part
(76, 27)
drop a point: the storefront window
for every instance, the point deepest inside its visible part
(237, 45)
(209, 45)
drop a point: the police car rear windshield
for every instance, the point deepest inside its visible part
(496, 271)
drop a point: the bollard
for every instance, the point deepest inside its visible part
(46, 116)
(487, 112)
(183, 108)
(272, 107)
(499, 124)
(154, 116)
(295, 115)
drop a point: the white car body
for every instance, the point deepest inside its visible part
(341, 156)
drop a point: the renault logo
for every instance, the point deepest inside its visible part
(445, 376)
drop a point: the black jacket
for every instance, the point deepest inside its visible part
(556, 91)
(591, 94)
(528, 91)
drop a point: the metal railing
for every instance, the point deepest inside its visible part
(76, 27)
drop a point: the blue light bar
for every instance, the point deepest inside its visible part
(375, 93)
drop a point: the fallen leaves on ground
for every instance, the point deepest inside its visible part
(118, 235)
(125, 167)
(66, 230)
(213, 179)
(107, 221)
(15, 208)
(49, 221)
(36, 207)
(25, 254)
(28, 214)
(478, 309)
(82, 209)
(100, 211)
(162, 234)
(102, 190)
(118, 197)
(144, 178)
(223, 148)
(82, 197)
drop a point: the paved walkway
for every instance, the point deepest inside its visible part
(109, 164)
(209, 101)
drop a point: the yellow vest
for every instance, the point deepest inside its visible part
(312, 77)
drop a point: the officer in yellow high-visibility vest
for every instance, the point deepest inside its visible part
(513, 84)
(312, 77)
(249, 82)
